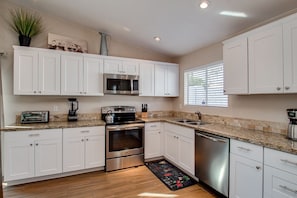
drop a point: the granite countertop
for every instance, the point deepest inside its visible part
(54, 125)
(267, 139)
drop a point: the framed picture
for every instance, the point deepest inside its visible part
(64, 43)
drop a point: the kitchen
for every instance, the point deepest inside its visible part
(267, 108)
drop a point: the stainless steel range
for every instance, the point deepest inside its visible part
(124, 137)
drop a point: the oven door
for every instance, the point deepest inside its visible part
(124, 140)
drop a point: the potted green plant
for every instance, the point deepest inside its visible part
(25, 24)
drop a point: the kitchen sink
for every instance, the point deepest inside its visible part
(191, 122)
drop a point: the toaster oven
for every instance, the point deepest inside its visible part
(28, 117)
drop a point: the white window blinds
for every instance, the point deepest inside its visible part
(205, 86)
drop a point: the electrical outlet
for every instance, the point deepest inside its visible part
(55, 108)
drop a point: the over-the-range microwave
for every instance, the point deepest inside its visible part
(121, 84)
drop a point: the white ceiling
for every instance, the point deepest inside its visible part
(181, 24)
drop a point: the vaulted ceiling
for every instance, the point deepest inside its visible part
(181, 24)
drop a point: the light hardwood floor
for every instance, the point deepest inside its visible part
(127, 183)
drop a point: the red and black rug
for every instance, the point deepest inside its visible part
(171, 176)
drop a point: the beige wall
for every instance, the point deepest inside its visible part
(15, 104)
(258, 107)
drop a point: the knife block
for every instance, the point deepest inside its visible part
(143, 114)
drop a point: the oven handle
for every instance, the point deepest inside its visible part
(125, 127)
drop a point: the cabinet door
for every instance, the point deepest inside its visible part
(93, 76)
(147, 79)
(171, 146)
(160, 80)
(112, 66)
(72, 75)
(235, 66)
(186, 153)
(245, 177)
(49, 73)
(94, 151)
(266, 60)
(279, 184)
(172, 81)
(152, 144)
(290, 56)
(48, 153)
(130, 68)
(25, 72)
(18, 156)
(73, 150)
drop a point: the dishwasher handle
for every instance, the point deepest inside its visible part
(214, 139)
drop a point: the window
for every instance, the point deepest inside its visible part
(205, 86)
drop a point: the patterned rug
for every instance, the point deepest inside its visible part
(171, 176)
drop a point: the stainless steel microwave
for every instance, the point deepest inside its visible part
(121, 84)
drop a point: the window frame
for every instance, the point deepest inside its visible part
(202, 67)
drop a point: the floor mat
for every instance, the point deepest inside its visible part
(171, 176)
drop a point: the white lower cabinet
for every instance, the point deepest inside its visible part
(280, 174)
(179, 147)
(83, 148)
(30, 154)
(246, 170)
(153, 140)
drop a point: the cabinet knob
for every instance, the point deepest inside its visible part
(34, 92)
(36, 144)
(82, 140)
(287, 87)
(278, 88)
(87, 139)
(31, 144)
(258, 167)
(39, 92)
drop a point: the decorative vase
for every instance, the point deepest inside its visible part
(103, 44)
(24, 40)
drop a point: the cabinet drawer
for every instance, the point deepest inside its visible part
(247, 150)
(179, 130)
(279, 183)
(281, 160)
(153, 126)
(34, 134)
(84, 131)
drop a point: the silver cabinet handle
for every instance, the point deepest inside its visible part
(153, 126)
(288, 189)
(289, 162)
(34, 135)
(86, 131)
(245, 149)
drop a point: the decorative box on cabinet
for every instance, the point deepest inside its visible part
(83, 148)
(29, 154)
(246, 170)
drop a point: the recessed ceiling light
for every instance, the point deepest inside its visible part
(234, 14)
(156, 38)
(204, 4)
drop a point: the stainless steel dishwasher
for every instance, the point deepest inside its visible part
(212, 161)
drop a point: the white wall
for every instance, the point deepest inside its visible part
(15, 104)
(258, 107)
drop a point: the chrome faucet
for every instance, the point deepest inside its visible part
(199, 115)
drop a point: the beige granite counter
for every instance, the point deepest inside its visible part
(54, 125)
(266, 139)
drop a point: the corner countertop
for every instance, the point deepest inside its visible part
(267, 139)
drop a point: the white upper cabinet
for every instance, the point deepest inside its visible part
(235, 66)
(36, 72)
(290, 55)
(81, 75)
(266, 60)
(167, 80)
(147, 79)
(117, 66)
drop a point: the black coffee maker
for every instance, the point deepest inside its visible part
(73, 107)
